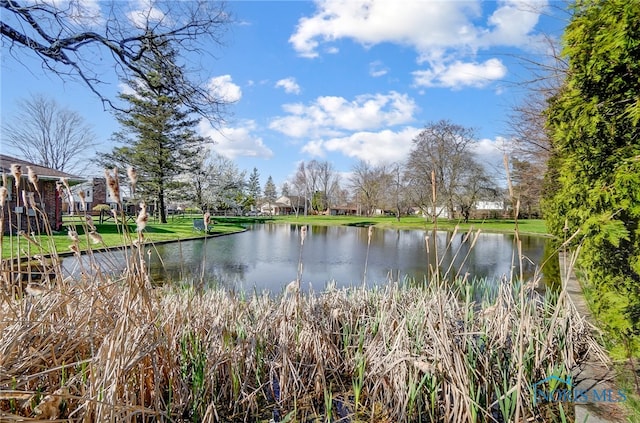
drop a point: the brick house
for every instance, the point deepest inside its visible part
(19, 216)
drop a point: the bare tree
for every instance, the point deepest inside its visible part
(49, 134)
(74, 39)
(532, 147)
(302, 187)
(398, 190)
(527, 181)
(370, 186)
(476, 185)
(441, 148)
(323, 179)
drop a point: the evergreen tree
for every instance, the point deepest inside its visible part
(594, 177)
(253, 188)
(270, 194)
(158, 135)
(286, 191)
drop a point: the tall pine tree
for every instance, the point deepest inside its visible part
(270, 194)
(158, 135)
(253, 188)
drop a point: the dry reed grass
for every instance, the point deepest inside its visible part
(114, 351)
(101, 348)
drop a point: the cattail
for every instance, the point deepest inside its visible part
(60, 188)
(4, 194)
(95, 237)
(65, 182)
(293, 287)
(133, 178)
(67, 194)
(73, 234)
(303, 234)
(24, 197)
(83, 200)
(33, 178)
(143, 217)
(90, 223)
(112, 184)
(30, 199)
(16, 171)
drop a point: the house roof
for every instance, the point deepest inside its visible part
(42, 171)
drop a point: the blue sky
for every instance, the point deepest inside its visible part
(342, 80)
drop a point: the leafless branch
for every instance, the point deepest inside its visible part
(69, 38)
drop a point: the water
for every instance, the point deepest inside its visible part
(266, 257)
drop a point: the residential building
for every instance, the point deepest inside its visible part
(46, 198)
(285, 205)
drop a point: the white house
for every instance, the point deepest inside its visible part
(489, 205)
(285, 205)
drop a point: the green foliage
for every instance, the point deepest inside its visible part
(319, 201)
(253, 188)
(193, 363)
(270, 193)
(158, 136)
(594, 181)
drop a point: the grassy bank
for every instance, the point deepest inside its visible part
(111, 235)
(530, 226)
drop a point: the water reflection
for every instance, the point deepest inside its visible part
(267, 256)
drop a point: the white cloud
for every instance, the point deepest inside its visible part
(490, 152)
(377, 69)
(233, 142)
(86, 12)
(458, 74)
(289, 84)
(374, 22)
(441, 32)
(423, 25)
(375, 147)
(223, 88)
(513, 23)
(144, 13)
(332, 115)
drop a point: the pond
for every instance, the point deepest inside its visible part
(267, 257)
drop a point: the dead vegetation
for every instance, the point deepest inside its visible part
(101, 348)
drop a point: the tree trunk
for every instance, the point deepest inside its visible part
(163, 209)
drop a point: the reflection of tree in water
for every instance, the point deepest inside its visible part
(551, 268)
(227, 274)
(267, 257)
(319, 230)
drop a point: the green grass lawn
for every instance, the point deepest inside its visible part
(177, 228)
(181, 228)
(529, 227)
